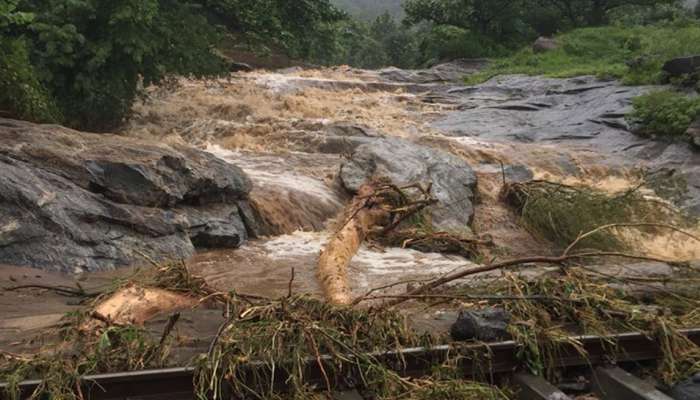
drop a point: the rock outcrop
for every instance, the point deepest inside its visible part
(403, 162)
(582, 113)
(74, 201)
(682, 65)
(450, 72)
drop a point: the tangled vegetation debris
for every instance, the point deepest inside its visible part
(108, 336)
(580, 303)
(106, 348)
(266, 348)
(265, 351)
(561, 213)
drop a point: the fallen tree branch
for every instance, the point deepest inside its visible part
(169, 326)
(64, 290)
(335, 257)
(515, 262)
(470, 297)
(560, 260)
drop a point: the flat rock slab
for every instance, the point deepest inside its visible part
(73, 201)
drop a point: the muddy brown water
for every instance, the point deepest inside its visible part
(268, 124)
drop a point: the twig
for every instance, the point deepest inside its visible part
(627, 225)
(14, 356)
(510, 263)
(291, 281)
(169, 327)
(503, 173)
(471, 297)
(58, 289)
(319, 362)
(102, 318)
(147, 258)
(389, 286)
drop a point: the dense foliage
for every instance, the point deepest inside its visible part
(90, 56)
(666, 113)
(370, 9)
(477, 28)
(302, 29)
(21, 93)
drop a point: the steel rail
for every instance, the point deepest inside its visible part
(502, 358)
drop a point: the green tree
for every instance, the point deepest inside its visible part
(21, 93)
(397, 41)
(303, 29)
(91, 56)
(498, 19)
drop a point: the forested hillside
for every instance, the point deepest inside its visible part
(83, 62)
(370, 9)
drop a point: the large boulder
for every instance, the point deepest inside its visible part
(544, 44)
(74, 201)
(682, 65)
(403, 162)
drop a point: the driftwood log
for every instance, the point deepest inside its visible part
(364, 212)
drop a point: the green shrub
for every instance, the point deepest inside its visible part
(666, 113)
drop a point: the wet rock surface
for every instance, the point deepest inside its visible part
(74, 201)
(450, 72)
(404, 163)
(488, 325)
(584, 113)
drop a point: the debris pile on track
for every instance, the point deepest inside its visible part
(283, 335)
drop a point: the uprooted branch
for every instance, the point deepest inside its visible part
(392, 215)
(365, 212)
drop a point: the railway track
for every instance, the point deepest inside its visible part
(610, 382)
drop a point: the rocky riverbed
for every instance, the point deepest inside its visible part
(245, 176)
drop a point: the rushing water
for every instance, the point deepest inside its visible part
(270, 124)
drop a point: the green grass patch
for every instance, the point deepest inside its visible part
(665, 113)
(633, 54)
